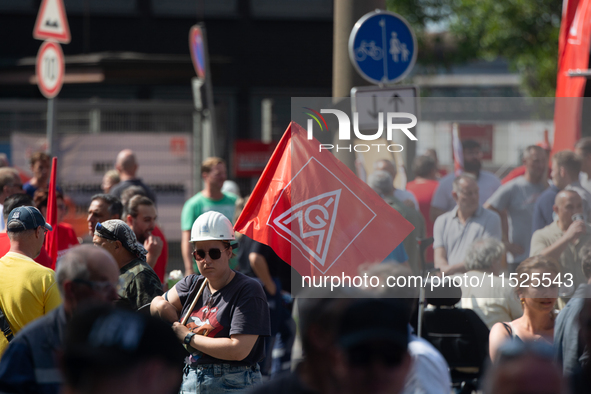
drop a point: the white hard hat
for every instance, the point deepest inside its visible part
(212, 226)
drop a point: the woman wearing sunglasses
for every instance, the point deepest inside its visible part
(538, 294)
(225, 328)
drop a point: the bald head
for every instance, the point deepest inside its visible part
(565, 195)
(386, 165)
(87, 273)
(126, 163)
(566, 204)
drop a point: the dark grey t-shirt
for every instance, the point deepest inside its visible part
(238, 308)
(120, 187)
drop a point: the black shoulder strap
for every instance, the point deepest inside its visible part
(5, 327)
(508, 328)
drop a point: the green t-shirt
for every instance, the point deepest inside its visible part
(199, 204)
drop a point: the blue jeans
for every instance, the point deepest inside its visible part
(219, 378)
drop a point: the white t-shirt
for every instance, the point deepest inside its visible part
(404, 195)
(430, 372)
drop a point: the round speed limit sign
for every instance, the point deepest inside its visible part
(50, 68)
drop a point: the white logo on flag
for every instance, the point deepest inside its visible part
(319, 213)
(309, 225)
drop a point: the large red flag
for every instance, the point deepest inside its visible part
(316, 214)
(51, 238)
(573, 54)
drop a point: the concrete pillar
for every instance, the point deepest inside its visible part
(344, 76)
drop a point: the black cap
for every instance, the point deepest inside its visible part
(27, 218)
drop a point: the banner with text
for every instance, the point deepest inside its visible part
(165, 164)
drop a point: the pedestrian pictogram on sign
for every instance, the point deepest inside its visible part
(50, 69)
(52, 22)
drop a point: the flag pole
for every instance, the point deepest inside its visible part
(51, 237)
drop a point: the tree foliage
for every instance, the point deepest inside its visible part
(525, 32)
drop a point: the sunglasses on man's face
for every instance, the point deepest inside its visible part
(214, 253)
(105, 233)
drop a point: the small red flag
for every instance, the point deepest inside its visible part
(51, 238)
(316, 214)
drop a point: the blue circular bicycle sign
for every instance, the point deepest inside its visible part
(382, 47)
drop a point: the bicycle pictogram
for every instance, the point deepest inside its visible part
(368, 49)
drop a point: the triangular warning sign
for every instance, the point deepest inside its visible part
(311, 223)
(52, 22)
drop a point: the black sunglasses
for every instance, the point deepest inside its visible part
(105, 233)
(214, 253)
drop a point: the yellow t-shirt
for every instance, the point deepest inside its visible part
(27, 291)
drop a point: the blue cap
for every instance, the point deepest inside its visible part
(28, 218)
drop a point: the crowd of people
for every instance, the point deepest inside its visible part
(103, 319)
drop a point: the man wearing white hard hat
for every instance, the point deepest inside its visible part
(223, 314)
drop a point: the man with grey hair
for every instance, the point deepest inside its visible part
(381, 183)
(491, 301)
(454, 231)
(488, 182)
(405, 196)
(85, 275)
(103, 207)
(10, 183)
(563, 239)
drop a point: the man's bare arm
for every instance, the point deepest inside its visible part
(259, 265)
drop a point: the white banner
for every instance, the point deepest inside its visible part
(165, 164)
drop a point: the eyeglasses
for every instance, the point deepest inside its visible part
(105, 233)
(214, 253)
(100, 286)
(364, 356)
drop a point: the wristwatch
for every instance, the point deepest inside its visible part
(187, 339)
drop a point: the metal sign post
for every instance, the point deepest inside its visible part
(200, 58)
(52, 26)
(197, 134)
